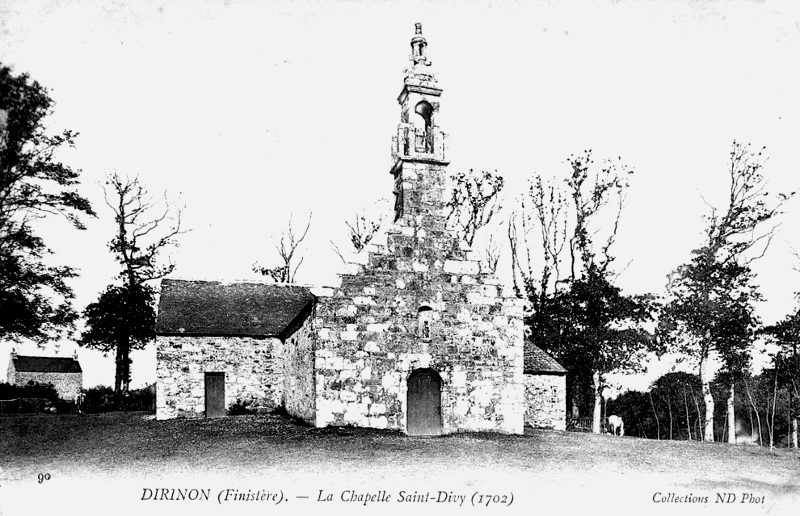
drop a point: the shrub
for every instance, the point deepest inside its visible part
(143, 399)
(30, 398)
(241, 407)
(31, 390)
(98, 399)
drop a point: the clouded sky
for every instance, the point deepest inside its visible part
(248, 112)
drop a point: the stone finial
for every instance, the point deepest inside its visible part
(13, 353)
(75, 355)
(418, 45)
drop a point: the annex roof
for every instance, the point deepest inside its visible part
(537, 361)
(26, 364)
(214, 308)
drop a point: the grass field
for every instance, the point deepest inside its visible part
(129, 453)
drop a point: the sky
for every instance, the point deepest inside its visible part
(248, 113)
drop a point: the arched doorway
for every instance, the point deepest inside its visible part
(424, 403)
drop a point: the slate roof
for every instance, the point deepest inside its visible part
(213, 308)
(539, 362)
(24, 364)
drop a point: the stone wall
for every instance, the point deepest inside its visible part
(546, 401)
(299, 372)
(68, 385)
(253, 372)
(370, 339)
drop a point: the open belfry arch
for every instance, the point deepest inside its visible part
(415, 336)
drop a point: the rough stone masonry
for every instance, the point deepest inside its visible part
(415, 336)
(416, 298)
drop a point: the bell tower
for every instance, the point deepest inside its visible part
(418, 148)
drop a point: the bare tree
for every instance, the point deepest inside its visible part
(366, 224)
(474, 201)
(145, 228)
(123, 318)
(606, 187)
(545, 207)
(362, 231)
(287, 248)
(491, 255)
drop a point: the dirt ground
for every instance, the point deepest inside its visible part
(131, 463)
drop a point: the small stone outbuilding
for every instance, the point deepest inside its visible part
(545, 390)
(219, 343)
(65, 374)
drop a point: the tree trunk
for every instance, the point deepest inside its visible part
(688, 420)
(126, 365)
(697, 407)
(118, 371)
(669, 411)
(792, 398)
(755, 409)
(731, 415)
(598, 402)
(708, 399)
(725, 427)
(575, 409)
(774, 399)
(658, 425)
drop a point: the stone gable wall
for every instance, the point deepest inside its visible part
(68, 385)
(253, 372)
(546, 401)
(368, 335)
(299, 372)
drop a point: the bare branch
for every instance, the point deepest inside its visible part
(337, 251)
(286, 247)
(136, 244)
(492, 255)
(474, 201)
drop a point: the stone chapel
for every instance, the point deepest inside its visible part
(415, 337)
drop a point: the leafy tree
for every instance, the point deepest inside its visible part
(676, 392)
(786, 333)
(35, 299)
(711, 297)
(635, 409)
(123, 317)
(593, 329)
(583, 320)
(762, 400)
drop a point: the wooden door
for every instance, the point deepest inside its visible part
(424, 403)
(215, 394)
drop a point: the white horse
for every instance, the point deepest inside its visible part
(614, 423)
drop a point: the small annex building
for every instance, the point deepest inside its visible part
(414, 336)
(545, 389)
(224, 342)
(64, 373)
